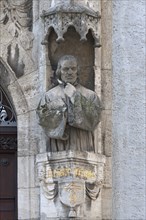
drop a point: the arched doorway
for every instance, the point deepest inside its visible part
(8, 159)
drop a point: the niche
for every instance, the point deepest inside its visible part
(83, 51)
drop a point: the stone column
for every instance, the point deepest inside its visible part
(129, 156)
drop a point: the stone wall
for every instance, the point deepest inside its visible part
(129, 152)
(106, 96)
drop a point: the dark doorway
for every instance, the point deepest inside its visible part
(8, 183)
(8, 160)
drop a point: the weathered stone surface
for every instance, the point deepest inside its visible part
(106, 97)
(106, 21)
(106, 204)
(106, 89)
(94, 4)
(19, 100)
(6, 75)
(108, 173)
(28, 203)
(28, 139)
(106, 30)
(106, 52)
(35, 12)
(43, 5)
(26, 172)
(106, 128)
(129, 110)
(30, 85)
(23, 134)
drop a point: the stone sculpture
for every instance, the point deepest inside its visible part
(69, 112)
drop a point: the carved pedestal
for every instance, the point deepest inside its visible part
(70, 184)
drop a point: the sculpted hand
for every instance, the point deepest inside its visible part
(69, 90)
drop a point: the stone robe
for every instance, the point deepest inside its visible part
(69, 122)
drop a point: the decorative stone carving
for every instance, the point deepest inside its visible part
(4, 162)
(7, 116)
(8, 143)
(62, 16)
(17, 15)
(69, 112)
(72, 194)
(18, 11)
(71, 178)
(13, 58)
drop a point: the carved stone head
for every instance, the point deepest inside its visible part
(67, 69)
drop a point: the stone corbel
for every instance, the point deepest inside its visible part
(62, 16)
(70, 177)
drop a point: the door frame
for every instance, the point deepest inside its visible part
(11, 148)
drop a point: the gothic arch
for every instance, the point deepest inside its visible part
(14, 92)
(12, 88)
(8, 146)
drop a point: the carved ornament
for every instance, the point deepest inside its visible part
(8, 143)
(7, 115)
(72, 194)
(62, 16)
(17, 16)
(76, 172)
(4, 162)
(71, 181)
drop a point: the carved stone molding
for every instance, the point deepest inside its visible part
(62, 16)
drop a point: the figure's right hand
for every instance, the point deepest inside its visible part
(69, 90)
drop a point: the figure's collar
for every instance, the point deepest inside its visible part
(75, 83)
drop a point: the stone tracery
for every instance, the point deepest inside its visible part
(62, 16)
(7, 115)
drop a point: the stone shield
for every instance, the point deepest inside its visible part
(72, 193)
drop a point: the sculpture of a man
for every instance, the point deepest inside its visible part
(69, 112)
